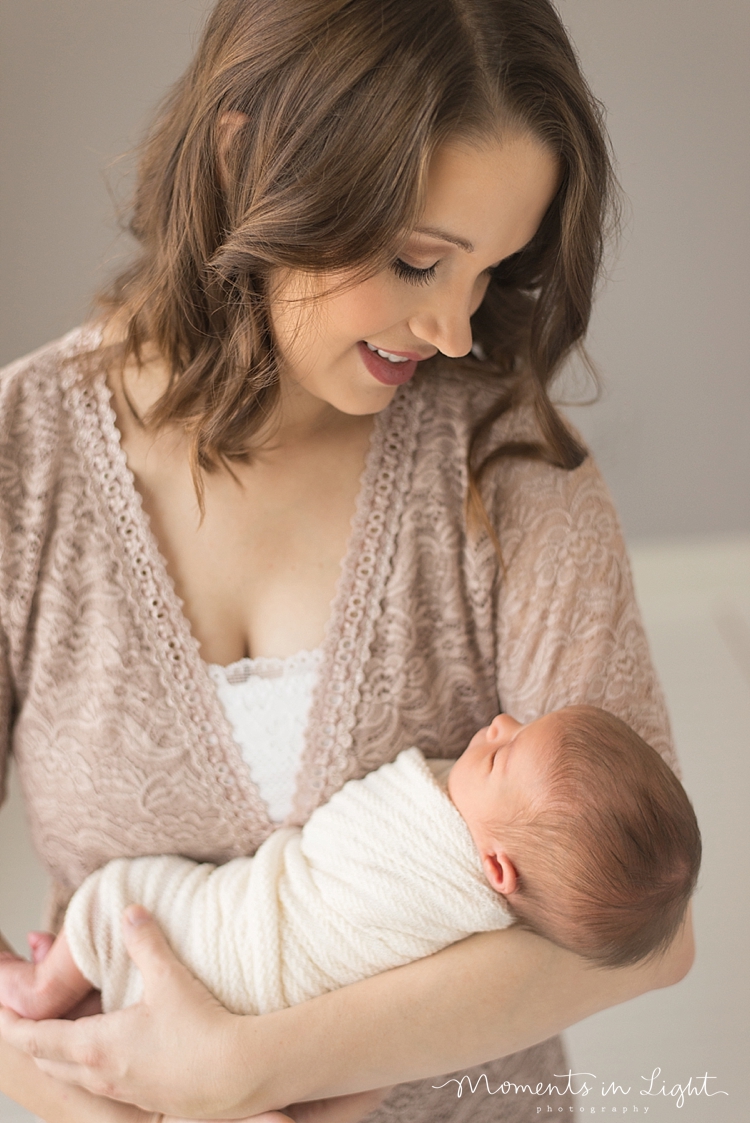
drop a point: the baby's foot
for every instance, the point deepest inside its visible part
(19, 987)
(33, 991)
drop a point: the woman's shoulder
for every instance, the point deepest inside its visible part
(519, 491)
(32, 388)
(461, 397)
(38, 430)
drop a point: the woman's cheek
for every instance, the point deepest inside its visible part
(374, 307)
(483, 283)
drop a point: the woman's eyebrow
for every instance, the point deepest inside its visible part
(433, 232)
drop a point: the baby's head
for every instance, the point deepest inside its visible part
(583, 828)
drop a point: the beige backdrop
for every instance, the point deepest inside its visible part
(671, 334)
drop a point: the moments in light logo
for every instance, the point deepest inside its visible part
(595, 1097)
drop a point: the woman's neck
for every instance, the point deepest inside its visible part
(298, 420)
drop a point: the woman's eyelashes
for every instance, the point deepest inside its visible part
(415, 276)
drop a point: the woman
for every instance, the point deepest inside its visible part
(369, 233)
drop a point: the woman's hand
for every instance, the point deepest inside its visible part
(22, 1082)
(145, 1055)
(176, 1012)
(80, 1051)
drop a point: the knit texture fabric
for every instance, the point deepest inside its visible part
(384, 873)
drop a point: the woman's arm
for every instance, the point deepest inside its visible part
(485, 997)
(568, 629)
(181, 1053)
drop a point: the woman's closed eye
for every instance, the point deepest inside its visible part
(411, 274)
(416, 276)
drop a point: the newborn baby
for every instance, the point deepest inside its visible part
(571, 825)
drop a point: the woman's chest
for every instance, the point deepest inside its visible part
(256, 571)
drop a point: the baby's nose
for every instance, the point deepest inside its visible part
(503, 726)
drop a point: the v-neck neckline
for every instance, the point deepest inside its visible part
(355, 607)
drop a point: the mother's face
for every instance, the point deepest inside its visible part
(484, 202)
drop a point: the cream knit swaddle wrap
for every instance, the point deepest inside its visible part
(384, 873)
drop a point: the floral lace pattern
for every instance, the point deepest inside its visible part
(122, 746)
(357, 604)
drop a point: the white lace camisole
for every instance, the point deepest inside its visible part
(267, 702)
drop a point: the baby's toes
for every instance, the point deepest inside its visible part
(40, 943)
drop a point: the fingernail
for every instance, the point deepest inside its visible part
(136, 915)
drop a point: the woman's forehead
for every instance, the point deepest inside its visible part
(488, 198)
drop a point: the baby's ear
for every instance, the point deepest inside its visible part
(500, 872)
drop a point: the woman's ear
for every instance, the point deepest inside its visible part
(500, 872)
(229, 124)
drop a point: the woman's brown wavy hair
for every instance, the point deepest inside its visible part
(339, 105)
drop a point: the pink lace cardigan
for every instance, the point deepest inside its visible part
(121, 744)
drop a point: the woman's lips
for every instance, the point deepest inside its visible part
(390, 374)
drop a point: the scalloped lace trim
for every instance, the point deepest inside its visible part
(267, 666)
(328, 760)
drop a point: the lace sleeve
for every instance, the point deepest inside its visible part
(10, 503)
(568, 626)
(6, 714)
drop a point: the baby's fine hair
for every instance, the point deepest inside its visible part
(609, 863)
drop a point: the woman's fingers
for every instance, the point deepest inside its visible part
(59, 1048)
(177, 1051)
(74, 1052)
(147, 944)
(39, 1039)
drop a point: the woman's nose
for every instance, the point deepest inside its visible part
(446, 324)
